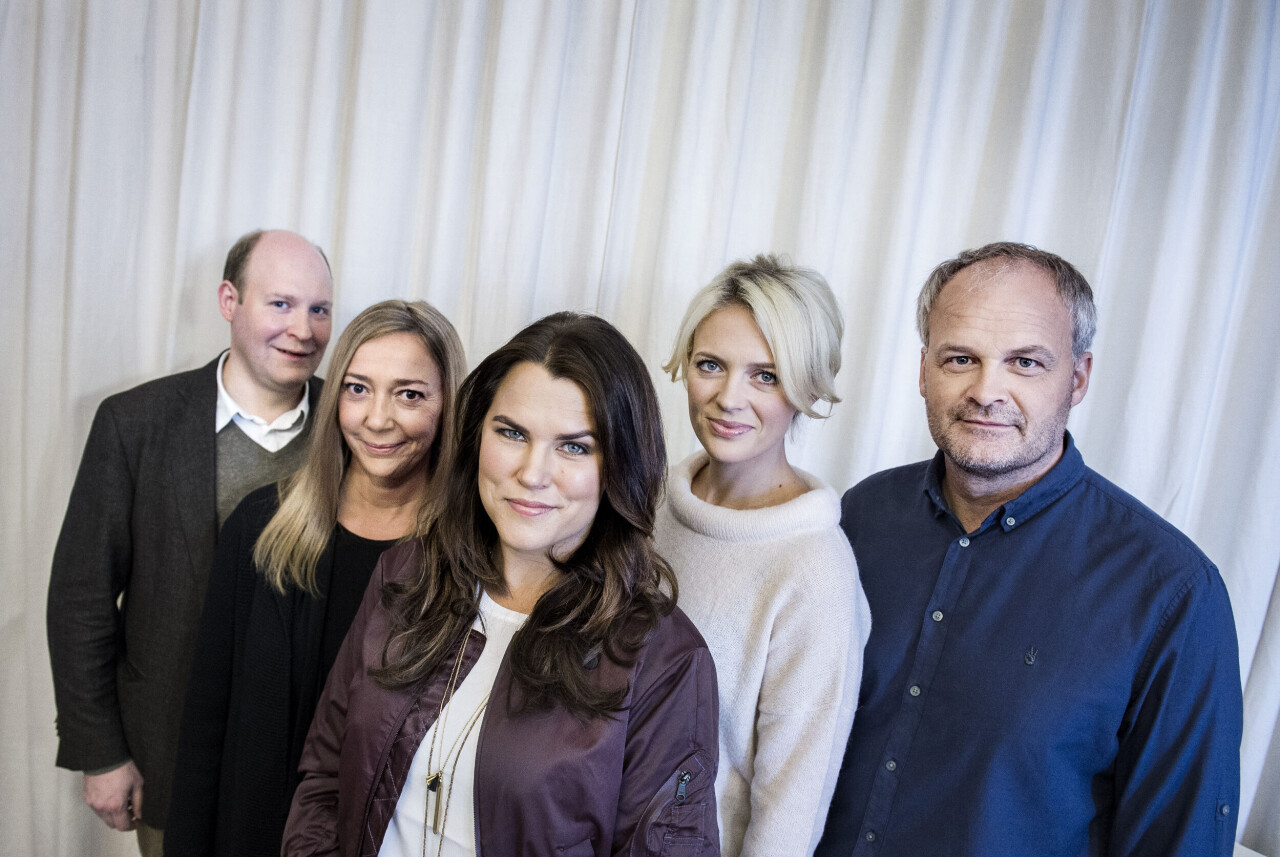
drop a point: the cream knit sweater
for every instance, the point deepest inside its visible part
(775, 593)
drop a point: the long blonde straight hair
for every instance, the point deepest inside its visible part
(290, 546)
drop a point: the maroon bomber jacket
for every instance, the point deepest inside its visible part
(546, 783)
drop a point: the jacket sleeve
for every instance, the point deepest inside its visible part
(1177, 772)
(91, 566)
(667, 801)
(193, 811)
(808, 694)
(312, 828)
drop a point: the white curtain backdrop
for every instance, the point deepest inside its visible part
(507, 159)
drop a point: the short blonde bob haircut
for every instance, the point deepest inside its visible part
(290, 546)
(798, 315)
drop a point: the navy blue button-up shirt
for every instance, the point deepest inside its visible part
(1064, 680)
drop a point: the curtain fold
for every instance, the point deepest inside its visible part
(507, 159)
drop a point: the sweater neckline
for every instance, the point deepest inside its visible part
(816, 509)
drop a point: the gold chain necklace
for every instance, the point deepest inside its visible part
(442, 815)
(435, 776)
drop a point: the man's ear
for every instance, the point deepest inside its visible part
(1080, 377)
(228, 299)
(923, 351)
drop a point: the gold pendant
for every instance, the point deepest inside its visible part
(436, 820)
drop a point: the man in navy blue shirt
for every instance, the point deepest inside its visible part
(1052, 667)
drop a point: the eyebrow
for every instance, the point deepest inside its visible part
(395, 382)
(1039, 352)
(284, 296)
(709, 356)
(512, 424)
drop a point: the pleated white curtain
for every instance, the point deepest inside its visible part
(508, 159)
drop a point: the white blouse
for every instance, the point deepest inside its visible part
(463, 713)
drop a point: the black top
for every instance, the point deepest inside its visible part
(261, 659)
(353, 560)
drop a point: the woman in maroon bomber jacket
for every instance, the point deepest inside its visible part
(524, 649)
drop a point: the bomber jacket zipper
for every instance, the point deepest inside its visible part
(682, 785)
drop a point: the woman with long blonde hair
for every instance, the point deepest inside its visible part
(291, 567)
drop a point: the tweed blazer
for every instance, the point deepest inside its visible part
(129, 576)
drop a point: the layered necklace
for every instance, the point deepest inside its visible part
(438, 785)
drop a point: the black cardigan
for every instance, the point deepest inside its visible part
(242, 735)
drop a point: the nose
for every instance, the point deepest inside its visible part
(731, 394)
(300, 325)
(988, 387)
(534, 470)
(379, 415)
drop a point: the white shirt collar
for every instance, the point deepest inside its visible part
(272, 436)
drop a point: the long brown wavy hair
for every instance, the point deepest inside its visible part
(612, 590)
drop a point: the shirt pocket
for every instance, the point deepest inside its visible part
(674, 822)
(585, 848)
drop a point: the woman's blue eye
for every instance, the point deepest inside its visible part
(708, 365)
(768, 377)
(510, 434)
(575, 448)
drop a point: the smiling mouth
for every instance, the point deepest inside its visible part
(727, 429)
(381, 448)
(528, 508)
(295, 355)
(988, 426)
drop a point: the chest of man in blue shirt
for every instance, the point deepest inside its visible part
(1052, 667)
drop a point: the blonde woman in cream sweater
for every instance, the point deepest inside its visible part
(764, 570)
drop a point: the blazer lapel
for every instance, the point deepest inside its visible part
(193, 467)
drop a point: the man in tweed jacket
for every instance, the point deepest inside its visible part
(132, 559)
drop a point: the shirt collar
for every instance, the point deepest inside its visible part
(1060, 478)
(227, 409)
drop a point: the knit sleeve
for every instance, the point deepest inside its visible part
(807, 698)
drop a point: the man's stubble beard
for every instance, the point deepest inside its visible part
(1029, 448)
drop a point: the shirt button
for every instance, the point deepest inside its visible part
(1225, 809)
(914, 690)
(937, 615)
(870, 836)
(891, 765)
(964, 542)
(1009, 522)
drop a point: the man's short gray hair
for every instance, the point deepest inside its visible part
(1073, 288)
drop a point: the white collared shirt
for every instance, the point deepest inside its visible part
(273, 436)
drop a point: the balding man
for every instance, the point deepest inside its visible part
(1052, 667)
(164, 464)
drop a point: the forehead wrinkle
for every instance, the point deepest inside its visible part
(1012, 321)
